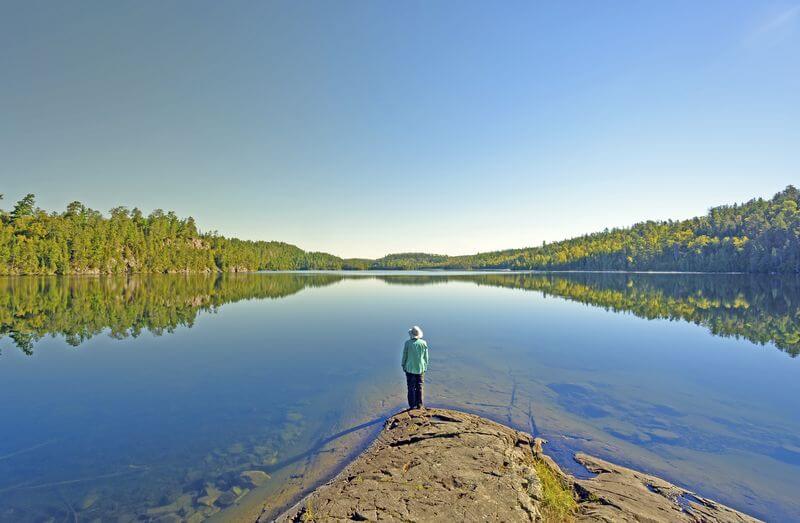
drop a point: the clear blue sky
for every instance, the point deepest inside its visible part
(362, 128)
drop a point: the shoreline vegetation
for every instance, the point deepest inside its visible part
(760, 236)
(446, 465)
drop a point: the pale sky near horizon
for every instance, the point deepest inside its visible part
(364, 128)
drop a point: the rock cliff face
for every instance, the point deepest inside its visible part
(444, 465)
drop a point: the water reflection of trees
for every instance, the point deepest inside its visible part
(762, 309)
(79, 308)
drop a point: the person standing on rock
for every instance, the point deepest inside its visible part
(415, 363)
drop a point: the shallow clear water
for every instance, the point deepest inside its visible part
(151, 388)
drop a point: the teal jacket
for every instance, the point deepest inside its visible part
(415, 356)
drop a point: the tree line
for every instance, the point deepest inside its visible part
(760, 236)
(81, 240)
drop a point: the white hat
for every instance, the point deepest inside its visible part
(415, 332)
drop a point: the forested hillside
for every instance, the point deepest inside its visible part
(84, 241)
(758, 236)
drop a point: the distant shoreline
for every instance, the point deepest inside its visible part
(433, 271)
(759, 236)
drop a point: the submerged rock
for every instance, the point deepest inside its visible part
(207, 500)
(254, 478)
(227, 498)
(294, 416)
(231, 496)
(89, 501)
(193, 475)
(183, 502)
(210, 496)
(163, 509)
(443, 465)
(236, 448)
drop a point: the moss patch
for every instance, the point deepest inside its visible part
(558, 500)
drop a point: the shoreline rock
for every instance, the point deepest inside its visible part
(445, 465)
(621, 494)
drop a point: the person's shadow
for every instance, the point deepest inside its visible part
(321, 443)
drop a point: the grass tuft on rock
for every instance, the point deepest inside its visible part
(308, 514)
(558, 501)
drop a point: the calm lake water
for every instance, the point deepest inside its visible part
(130, 398)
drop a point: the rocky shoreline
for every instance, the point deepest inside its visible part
(446, 465)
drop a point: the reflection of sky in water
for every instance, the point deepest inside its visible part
(717, 415)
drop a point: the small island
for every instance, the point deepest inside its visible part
(446, 465)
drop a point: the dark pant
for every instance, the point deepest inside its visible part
(415, 382)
